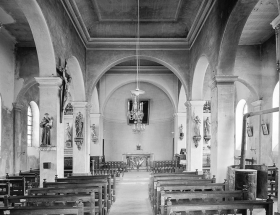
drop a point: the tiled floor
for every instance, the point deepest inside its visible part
(132, 195)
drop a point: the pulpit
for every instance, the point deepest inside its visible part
(138, 161)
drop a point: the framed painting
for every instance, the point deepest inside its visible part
(265, 129)
(250, 131)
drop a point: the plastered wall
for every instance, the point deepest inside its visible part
(157, 137)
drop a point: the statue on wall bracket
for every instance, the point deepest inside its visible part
(46, 124)
(79, 125)
(64, 88)
(68, 141)
(94, 137)
(197, 136)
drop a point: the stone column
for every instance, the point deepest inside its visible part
(257, 133)
(96, 147)
(50, 103)
(222, 125)
(195, 144)
(17, 151)
(80, 144)
(276, 25)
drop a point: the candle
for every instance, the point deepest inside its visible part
(128, 105)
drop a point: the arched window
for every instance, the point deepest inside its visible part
(241, 109)
(275, 119)
(29, 126)
(0, 124)
(35, 124)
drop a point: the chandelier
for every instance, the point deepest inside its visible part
(136, 113)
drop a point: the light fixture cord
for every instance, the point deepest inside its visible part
(137, 47)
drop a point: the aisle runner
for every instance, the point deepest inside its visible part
(132, 195)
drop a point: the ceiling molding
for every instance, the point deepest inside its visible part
(145, 43)
(201, 17)
(143, 70)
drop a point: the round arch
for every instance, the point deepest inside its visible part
(127, 58)
(41, 34)
(77, 82)
(250, 87)
(199, 72)
(231, 36)
(146, 81)
(30, 83)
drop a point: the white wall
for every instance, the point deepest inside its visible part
(157, 138)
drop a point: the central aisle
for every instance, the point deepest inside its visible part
(132, 195)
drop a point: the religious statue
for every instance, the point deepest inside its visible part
(46, 124)
(64, 89)
(94, 137)
(207, 125)
(68, 136)
(197, 126)
(79, 124)
(197, 136)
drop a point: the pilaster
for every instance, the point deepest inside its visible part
(50, 103)
(80, 144)
(276, 26)
(195, 135)
(222, 125)
(256, 143)
(17, 151)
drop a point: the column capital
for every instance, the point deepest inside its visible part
(222, 80)
(95, 115)
(276, 23)
(257, 105)
(190, 104)
(18, 106)
(79, 104)
(48, 81)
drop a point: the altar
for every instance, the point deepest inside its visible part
(138, 161)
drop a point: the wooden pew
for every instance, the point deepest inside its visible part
(273, 179)
(78, 209)
(31, 180)
(4, 190)
(199, 197)
(111, 182)
(71, 190)
(229, 207)
(17, 186)
(102, 185)
(91, 179)
(187, 177)
(53, 200)
(191, 187)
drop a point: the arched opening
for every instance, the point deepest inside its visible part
(77, 82)
(33, 137)
(241, 109)
(35, 124)
(0, 125)
(198, 78)
(275, 119)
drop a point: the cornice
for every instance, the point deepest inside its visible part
(275, 22)
(201, 17)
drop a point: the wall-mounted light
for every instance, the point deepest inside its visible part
(181, 133)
